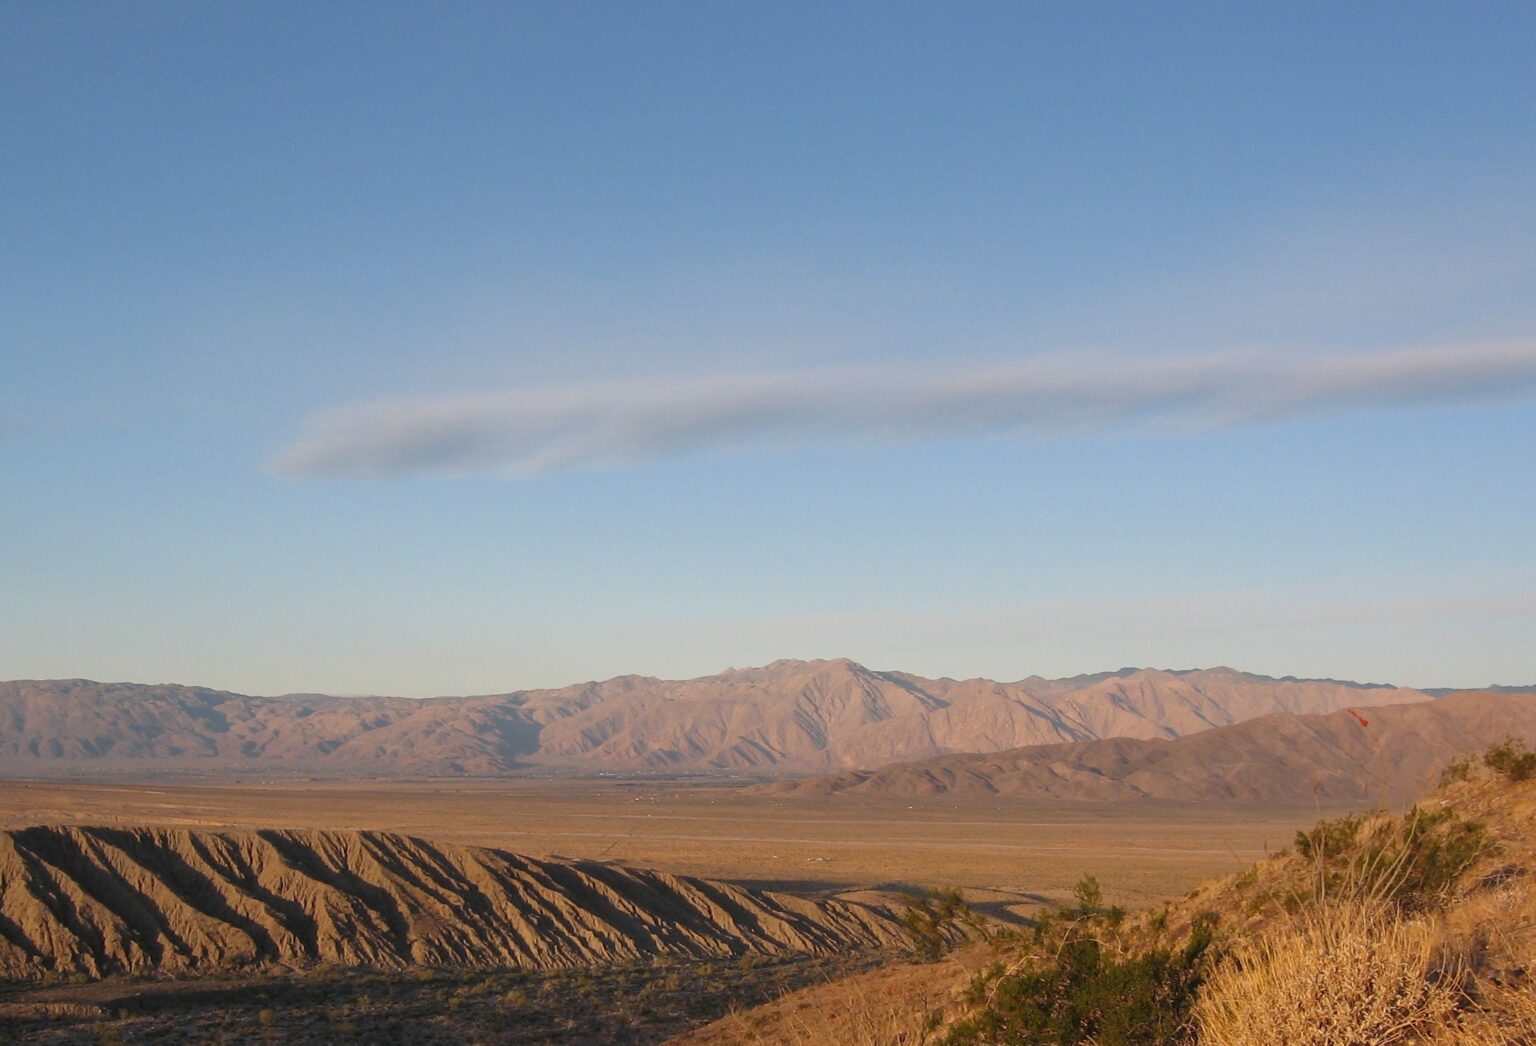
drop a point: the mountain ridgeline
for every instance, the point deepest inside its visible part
(788, 717)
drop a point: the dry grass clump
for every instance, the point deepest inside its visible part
(866, 1022)
(1355, 974)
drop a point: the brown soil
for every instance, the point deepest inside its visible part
(891, 1005)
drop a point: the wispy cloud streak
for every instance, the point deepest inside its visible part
(535, 430)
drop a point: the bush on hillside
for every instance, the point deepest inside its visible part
(1456, 770)
(1511, 758)
(933, 919)
(1329, 840)
(1082, 991)
(1411, 862)
(1359, 963)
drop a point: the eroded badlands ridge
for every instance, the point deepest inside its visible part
(104, 900)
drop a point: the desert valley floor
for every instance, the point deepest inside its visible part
(1005, 853)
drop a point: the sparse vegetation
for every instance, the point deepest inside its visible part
(1512, 758)
(1376, 930)
(1088, 895)
(1084, 986)
(615, 1006)
(1409, 861)
(1083, 979)
(937, 919)
(1328, 840)
(1456, 770)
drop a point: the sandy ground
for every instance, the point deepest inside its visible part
(1004, 853)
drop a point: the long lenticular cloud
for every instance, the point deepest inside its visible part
(525, 432)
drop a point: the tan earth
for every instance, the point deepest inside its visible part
(1002, 851)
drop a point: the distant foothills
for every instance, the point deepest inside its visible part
(788, 719)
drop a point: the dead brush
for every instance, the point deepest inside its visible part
(1347, 974)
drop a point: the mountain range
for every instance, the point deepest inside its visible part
(790, 717)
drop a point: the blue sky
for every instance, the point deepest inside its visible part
(455, 348)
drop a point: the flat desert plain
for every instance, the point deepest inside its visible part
(1006, 854)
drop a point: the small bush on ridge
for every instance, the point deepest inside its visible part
(930, 920)
(1412, 861)
(1511, 758)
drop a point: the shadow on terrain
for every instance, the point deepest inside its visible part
(998, 904)
(628, 1005)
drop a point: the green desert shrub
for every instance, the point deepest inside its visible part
(1327, 840)
(1456, 770)
(1512, 758)
(933, 919)
(1086, 992)
(1410, 862)
(1088, 895)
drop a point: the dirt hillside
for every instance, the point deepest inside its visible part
(97, 900)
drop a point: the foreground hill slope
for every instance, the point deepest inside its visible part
(1388, 754)
(1373, 928)
(791, 716)
(97, 900)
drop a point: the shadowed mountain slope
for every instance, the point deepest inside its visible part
(1393, 756)
(791, 716)
(100, 900)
